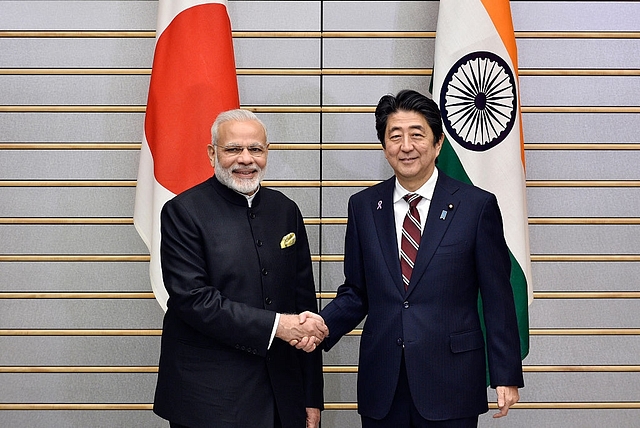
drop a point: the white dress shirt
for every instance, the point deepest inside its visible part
(400, 206)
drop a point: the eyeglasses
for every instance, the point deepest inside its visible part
(232, 150)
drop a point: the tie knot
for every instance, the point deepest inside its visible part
(412, 199)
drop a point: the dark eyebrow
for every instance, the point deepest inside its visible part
(412, 127)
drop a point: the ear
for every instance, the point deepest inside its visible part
(439, 144)
(211, 152)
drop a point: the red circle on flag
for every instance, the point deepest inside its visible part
(193, 79)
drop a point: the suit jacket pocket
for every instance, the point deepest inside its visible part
(466, 341)
(451, 248)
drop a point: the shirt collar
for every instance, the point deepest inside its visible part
(250, 197)
(426, 190)
(234, 197)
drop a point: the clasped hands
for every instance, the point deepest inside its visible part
(304, 331)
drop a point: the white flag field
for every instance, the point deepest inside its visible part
(193, 79)
(475, 83)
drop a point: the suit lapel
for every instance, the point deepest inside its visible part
(442, 209)
(383, 216)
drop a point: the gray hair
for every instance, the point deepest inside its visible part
(229, 115)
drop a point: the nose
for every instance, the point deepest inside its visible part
(406, 145)
(245, 157)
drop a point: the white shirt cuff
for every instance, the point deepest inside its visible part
(273, 330)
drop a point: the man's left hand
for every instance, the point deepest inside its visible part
(507, 397)
(313, 417)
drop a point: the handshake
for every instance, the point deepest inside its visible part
(304, 331)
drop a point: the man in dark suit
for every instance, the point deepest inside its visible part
(236, 263)
(422, 352)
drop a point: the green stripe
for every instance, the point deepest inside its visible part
(521, 298)
(450, 164)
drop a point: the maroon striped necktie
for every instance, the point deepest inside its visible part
(410, 241)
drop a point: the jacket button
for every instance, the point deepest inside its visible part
(259, 243)
(400, 342)
(252, 215)
(405, 304)
(267, 300)
(264, 271)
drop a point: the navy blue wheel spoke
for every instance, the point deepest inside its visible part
(478, 101)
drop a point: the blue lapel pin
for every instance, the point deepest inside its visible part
(443, 214)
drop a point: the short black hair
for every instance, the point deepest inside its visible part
(411, 101)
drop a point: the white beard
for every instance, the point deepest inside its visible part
(240, 185)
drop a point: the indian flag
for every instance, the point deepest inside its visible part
(193, 79)
(475, 83)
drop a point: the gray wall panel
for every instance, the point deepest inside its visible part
(575, 16)
(335, 200)
(367, 90)
(77, 387)
(380, 15)
(563, 418)
(292, 127)
(79, 351)
(80, 314)
(70, 164)
(76, 52)
(574, 387)
(316, 275)
(279, 90)
(67, 201)
(584, 239)
(581, 127)
(340, 387)
(333, 238)
(582, 350)
(275, 15)
(83, 419)
(583, 165)
(307, 198)
(332, 276)
(578, 53)
(70, 239)
(583, 202)
(389, 53)
(71, 127)
(276, 53)
(355, 165)
(348, 128)
(75, 276)
(78, 15)
(293, 165)
(584, 90)
(75, 90)
(586, 276)
(340, 418)
(344, 353)
(313, 233)
(584, 313)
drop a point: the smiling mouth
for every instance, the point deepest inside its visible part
(244, 173)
